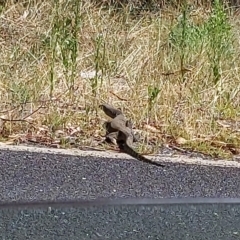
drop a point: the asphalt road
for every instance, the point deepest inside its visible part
(28, 176)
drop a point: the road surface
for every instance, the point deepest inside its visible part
(34, 176)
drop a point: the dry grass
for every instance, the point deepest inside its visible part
(176, 80)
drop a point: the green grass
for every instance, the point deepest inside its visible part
(174, 73)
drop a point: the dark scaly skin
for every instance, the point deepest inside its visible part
(109, 110)
(127, 149)
(112, 113)
(118, 130)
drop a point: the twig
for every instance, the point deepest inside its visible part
(23, 119)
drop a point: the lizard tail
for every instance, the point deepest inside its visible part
(128, 150)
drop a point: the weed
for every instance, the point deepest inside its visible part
(152, 95)
(64, 35)
(219, 39)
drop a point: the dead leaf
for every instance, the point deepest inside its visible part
(151, 128)
(218, 143)
(59, 133)
(10, 142)
(181, 141)
(224, 123)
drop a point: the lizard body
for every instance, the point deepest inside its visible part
(112, 132)
(125, 137)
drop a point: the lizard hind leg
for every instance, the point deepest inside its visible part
(111, 138)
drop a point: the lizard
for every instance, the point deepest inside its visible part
(124, 137)
(111, 132)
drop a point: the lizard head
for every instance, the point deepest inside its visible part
(109, 110)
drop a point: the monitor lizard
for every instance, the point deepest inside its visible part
(111, 132)
(119, 128)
